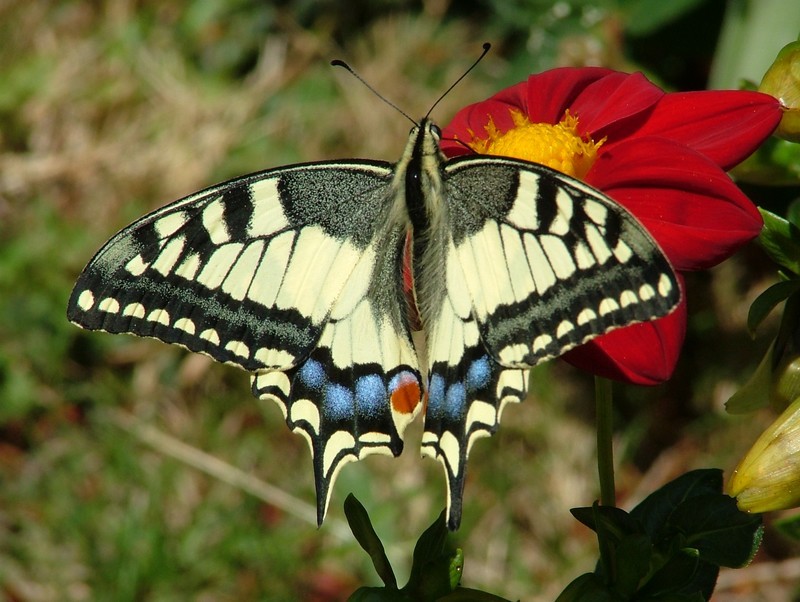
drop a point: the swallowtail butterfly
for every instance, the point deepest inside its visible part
(295, 274)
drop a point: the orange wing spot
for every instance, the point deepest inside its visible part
(407, 395)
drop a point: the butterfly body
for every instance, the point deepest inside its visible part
(296, 275)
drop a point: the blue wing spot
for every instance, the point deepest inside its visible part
(371, 396)
(313, 375)
(479, 374)
(339, 402)
(436, 391)
(455, 400)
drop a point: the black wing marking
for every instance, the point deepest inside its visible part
(293, 274)
(246, 271)
(537, 264)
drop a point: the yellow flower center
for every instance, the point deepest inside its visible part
(559, 146)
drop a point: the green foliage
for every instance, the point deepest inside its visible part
(435, 571)
(780, 238)
(644, 17)
(670, 547)
(774, 381)
(365, 534)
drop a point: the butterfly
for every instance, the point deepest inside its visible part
(295, 274)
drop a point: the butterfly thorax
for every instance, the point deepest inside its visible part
(423, 163)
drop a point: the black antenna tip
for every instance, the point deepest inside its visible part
(486, 46)
(343, 65)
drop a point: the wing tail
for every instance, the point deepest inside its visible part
(465, 403)
(346, 405)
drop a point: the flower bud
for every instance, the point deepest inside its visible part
(770, 385)
(768, 478)
(782, 81)
(785, 383)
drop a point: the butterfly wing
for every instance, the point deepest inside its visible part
(537, 263)
(290, 274)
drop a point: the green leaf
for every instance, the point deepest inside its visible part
(785, 342)
(723, 534)
(755, 393)
(695, 597)
(435, 579)
(585, 515)
(614, 520)
(613, 527)
(781, 241)
(364, 532)
(434, 573)
(429, 548)
(677, 575)
(768, 300)
(655, 510)
(587, 587)
(633, 555)
(793, 212)
(465, 594)
(378, 594)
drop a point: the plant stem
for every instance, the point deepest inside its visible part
(604, 403)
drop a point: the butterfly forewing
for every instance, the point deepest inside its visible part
(548, 261)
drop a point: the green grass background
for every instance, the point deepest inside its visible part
(130, 470)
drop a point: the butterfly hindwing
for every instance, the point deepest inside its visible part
(537, 263)
(352, 410)
(466, 398)
(359, 388)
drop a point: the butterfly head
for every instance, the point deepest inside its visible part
(424, 139)
(428, 127)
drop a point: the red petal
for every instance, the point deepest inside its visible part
(543, 98)
(607, 107)
(470, 122)
(726, 126)
(642, 354)
(689, 205)
(551, 93)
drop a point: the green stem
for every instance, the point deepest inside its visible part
(604, 403)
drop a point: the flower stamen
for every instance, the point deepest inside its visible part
(559, 146)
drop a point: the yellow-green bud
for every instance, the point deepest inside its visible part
(768, 478)
(782, 80)
(776, 387)
(785, 383)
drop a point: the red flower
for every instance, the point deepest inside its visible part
(662, 156)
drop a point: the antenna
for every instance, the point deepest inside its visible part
(339, 63)
(486, 47)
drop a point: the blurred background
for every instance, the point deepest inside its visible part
(130, 470)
